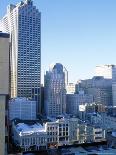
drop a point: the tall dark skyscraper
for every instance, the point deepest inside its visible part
(23, 22)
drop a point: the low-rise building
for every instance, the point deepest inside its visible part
(52, 133)
(88, 133)
(29, 135)
(58, 129)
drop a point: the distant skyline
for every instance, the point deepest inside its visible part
(80, 34)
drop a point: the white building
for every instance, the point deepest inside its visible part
(63, 137)
(32, 135)
(22, 108)
(29, 136)
(104, 70)
(62, 131)
(55, 93)
(52, 133)
(23, 22)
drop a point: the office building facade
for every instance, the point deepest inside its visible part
(55, 92)
(23, 22)
(99, 87)
(22, 108)
(109, 72)
(73, 101)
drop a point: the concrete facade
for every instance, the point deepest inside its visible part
(4, 85)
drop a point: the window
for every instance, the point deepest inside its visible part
(99, 132)
(98, 137)
(66, 138)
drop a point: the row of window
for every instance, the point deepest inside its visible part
(34, 140)
(51, 128)
(63, 134)
(52, 133)
(54, 139)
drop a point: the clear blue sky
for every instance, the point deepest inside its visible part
(80, 34)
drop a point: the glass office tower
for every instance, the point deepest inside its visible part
(23, 22)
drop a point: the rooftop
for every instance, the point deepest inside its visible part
(27, 129)
(21, 99)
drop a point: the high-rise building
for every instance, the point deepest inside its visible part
(104, 70)
(23, 22)
(99, 87)
(4, 86)
(55, 92)
(109, 72)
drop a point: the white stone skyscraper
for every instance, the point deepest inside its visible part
(55, 92)
(23, 22)
(104, 70)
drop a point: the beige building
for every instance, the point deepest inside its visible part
(4, 85)
(70, 88)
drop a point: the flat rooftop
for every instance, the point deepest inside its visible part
(28, 129)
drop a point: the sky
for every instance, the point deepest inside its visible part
(80, 34)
